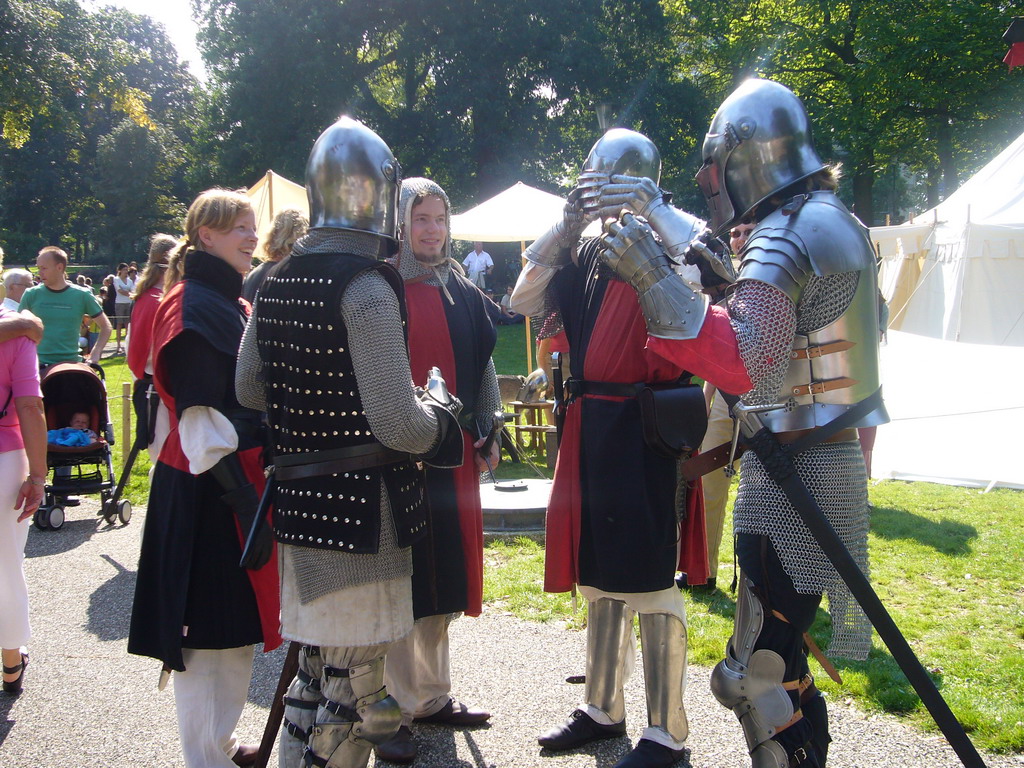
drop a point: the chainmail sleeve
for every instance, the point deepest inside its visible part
(249, 370)
(764, 320)
(488, 400)
(370, 310)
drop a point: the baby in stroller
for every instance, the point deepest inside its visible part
(77, 433)
(79, 455)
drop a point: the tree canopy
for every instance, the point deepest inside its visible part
(104, 136)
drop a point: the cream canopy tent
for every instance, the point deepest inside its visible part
(271, 195)
(518, 214)
(957, 271)
(952, 366)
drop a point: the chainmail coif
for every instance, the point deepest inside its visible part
(489, 398)
(382, 375)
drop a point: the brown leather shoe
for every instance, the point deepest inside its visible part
(400, 748)
(456, 713)
(245, 755)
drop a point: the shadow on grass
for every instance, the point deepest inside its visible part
(947, 536)
(884, 682)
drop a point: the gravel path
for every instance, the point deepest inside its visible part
(88, 704)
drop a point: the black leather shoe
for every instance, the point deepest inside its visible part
(14, 686)
(650, 754)
(456, 713)
(400, 748)
(578, 730)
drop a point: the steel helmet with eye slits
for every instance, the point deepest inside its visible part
(758, 144)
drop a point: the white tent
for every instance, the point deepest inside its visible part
(957, 271)
(271, 195)
(954, 279)
(518, 214)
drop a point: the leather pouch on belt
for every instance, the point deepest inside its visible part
(674, 419)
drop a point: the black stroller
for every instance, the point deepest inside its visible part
(70, 388)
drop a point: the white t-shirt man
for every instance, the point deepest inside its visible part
(477, 262)
(127, 285)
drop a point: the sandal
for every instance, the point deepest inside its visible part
(14, 686)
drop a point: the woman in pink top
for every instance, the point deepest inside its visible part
(22, 481)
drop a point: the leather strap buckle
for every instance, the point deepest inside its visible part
(820, 387)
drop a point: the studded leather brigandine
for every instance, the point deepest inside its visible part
(314, 405)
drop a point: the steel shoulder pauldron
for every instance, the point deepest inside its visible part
(810, 234)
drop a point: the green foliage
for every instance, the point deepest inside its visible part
(886, 83)
(514, 584)
(134, 167)
(68, 78)
(474, 95)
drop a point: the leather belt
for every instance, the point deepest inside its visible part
(578, 387)
(718, 456)
(317, 463)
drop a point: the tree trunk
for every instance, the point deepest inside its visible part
(863, 205)
(944, 141)
(932, 186)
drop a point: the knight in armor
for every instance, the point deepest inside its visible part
(195, 608)
(798, 338)
(449, 326)
(614, 522)
(325, 356)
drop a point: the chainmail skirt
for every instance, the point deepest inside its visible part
(834, 474)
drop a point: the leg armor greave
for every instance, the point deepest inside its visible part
(663, 639)
(356, 714)
(609, 630)
(750, 683)
(300, 706)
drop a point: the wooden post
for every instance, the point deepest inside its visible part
(126, 421)
(526, 322)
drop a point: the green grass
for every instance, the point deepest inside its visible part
(137, 490)
(946, 562)
(510, 351)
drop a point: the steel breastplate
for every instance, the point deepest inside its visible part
(834, 367)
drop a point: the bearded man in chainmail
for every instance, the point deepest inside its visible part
(799, 336)
(612, 525)
(325, 356)
(449, 325)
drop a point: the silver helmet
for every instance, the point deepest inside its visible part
(620, 151)
(625, 152)
(758, 144)
(352, 181)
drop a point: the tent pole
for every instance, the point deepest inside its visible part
(526, 322)
(270, 193)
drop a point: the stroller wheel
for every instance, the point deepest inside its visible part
(56, 517)
(109, 511)
(124, 511)
(41, 518)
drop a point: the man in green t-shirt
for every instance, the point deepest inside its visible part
(61, 306)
